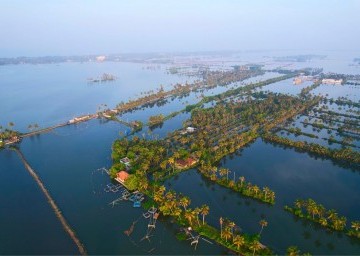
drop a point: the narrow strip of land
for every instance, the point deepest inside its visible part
(52, 203)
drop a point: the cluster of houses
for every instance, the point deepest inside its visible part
(123, 175)
(81, 119)
(12, 140)
(302, 78)
(332, 81)
(109, 113)
(180, 164)
(188, 130)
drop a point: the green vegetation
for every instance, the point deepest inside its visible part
(294, 251)
(315, 212)
(156, 120)
(297, 131)
(344, 154)
(265, 194)
(305, 91)
(8, 135)
(177, 206)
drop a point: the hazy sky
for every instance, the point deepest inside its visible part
(66, 27)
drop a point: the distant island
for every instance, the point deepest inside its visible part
(103, 78)
(300, 58)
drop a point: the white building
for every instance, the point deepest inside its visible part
(190, 129)
(332, 81)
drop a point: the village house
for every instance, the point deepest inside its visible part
(12, 140)
(190, 129)
(185, 163)
(126, 161)
(332, 81)
(122, 176)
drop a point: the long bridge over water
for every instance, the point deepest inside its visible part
(48, 129)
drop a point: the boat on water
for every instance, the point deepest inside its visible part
(137, 204)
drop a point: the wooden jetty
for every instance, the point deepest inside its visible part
(53, 205)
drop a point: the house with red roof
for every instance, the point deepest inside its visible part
(121, 176)
(185, 163)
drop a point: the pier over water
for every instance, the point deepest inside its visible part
(52, 203)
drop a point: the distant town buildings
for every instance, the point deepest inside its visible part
(302, 78)
(332, 81)
(100, 58)
(251, 67)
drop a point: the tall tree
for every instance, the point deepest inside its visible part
(263, 223)
(204, 211)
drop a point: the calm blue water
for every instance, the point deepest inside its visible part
(291, 175)
(28, 225)
(52, 94)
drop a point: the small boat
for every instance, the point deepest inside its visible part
(137, 204)
(113, 189)
(146, 215)
(138, 196)
(152, 210)
(132, 198)
(126, 193)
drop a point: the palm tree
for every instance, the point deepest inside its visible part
(266, 192)
(143, 183)
(163, 165)
(222, 172)
(159, 194)
(298, 203)
(231, 225)
(256, 190)
(272, 196)
(331, 214)
(292, 251)
(184, 202)
(263, 223)
(204, 210)
(227, 234)
(355, 225)
(196, 213)
(171, 161)
(157, 176)
(311, 208)
(255, 246)
(323, 222)
(242, 179)
(176, 155)
(189, 215)
(221, 220)
(339, 223)
(238, 241)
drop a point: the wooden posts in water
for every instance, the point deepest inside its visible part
(53, 205)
